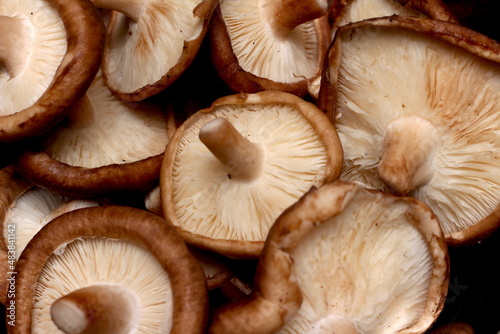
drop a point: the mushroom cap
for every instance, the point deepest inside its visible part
(250, 58)
(114, 246)
(67, 40)
(362, 261)
(142, 58)
(105, 146)
(12, 185)
(376, 260)
(454, 127)
(33, 209)
(213, 210)
(348, 11)
(24, 209)
(343, 12)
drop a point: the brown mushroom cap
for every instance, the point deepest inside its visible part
(224, 198)
(68, 254)
(65, 39)
(149, 49)
(105, 146)
(427, 138)
(34, 208)
(264, 48)
(347, 259)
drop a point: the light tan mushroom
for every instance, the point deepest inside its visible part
(434, 137)
(343, 12)
(104, 147)
(349, 11)
(231, 169)
(12, 186)
(110, 269)
(25, 209)
(269, 45)
(151, 43)
(344, 259)
(50, 51)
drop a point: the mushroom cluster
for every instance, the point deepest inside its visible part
(246, 166)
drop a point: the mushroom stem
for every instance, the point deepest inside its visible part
(410, 143)
(14, 44)
(133, 9)
(285, 15)
(102, 309)
(242, 158)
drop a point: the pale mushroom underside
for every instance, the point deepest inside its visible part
(262, 53)
(44, 50)
(358, 10)
(207, 201)
(113, 133)
(35, 208)
(141, 53)
(101, 261)
(401, 73)
(368, 266)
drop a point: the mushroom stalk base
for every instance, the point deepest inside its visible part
(102, 309)
(242, 158)
(410, 143)
(15, 44)
(133, 9)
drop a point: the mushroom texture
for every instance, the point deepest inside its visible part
(344, 259)
(434, 137)
(105, 146)
(50, 51)
(25, 210)
(348, 11)
(343, 12)
(32, 210)
(151, 43)
(269, 45)
(232, 168)
(109, 269)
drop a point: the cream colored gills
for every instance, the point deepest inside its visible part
(34, 209)
(102, 273)
(270, 49)
(451, 158)
(357, 10)
(141, 50)
(32, 45)
(102, 130)
(367, 270)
